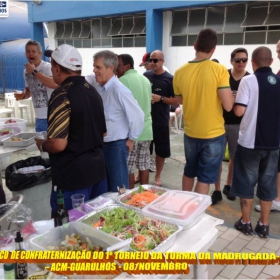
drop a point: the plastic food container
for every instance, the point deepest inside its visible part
(18, 126)
(179, 207)
(55, 236)
(130, 193)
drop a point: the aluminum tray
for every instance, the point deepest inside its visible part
(94, 217)
(29, 138)
(129, 193)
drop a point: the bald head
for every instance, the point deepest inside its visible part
(262, 57)
(158, 54)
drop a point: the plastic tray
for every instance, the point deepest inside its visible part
(55, 236)
(18, 127)
(28, 139)
(129, 193)
(179, 207)
(94, 217)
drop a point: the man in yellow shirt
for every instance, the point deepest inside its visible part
(202, 86)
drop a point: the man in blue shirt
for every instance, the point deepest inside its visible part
(124, 118)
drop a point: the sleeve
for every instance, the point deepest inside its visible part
(224, 78)
(171, 89)
(176, 85)
(134, 114)
(243, 93)
(59, 115)
(48, 70)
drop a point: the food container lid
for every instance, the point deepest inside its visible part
(179, 207)
(8, 266)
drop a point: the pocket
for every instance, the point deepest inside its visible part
(214, 148)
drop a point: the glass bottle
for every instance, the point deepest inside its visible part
(21, 269)
(61, 214)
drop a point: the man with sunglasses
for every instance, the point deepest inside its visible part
(162, 98)
(202, 86)
(239, 58)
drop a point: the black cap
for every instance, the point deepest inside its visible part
(48, 53)
(18, 238)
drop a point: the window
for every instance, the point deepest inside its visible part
(85, 29)
(59, 31)
(256, 16)
(233, 39)
(116, 28)
(179, 41)
(139, 26)
(273, 18)
(96, 28)
(196, 21)
(215, 18)
(234, 18)
(127, 26)
(68, 30)
(180, 22)
(77, 30)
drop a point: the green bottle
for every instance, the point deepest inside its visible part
(61, 214)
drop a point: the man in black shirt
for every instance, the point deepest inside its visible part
(239, 59)
(76, 125)
(162, 98)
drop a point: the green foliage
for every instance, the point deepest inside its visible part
(226, 157)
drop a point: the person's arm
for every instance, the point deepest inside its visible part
(52, 145)
(45, 80)
(179, 99)
(226, 98)
(166, 100)
(239, 110)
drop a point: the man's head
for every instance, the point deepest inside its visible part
(33, 52)
(239, 59)
(105, 64)
(125, 62)
(156, 61)
(206, 41)
(261, 57)
(66, 61)
(145, 61)
(278, 49)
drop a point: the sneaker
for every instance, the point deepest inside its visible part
(262, 231)
(226, 191)
(244, 228)
(275, 206)
(216, 197)
(152, 167)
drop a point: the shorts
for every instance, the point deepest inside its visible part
(253, 167)
(140, 156)
(41, 125)
(203, 158)
(232, 135)
(161, 141)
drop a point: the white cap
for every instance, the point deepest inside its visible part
(67, 56)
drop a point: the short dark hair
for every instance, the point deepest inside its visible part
(238, 50)
(206, 40)
(127, 59)
(262, 56)
(64, 69)
(215, 60)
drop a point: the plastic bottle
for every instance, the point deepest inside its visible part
(21, 269)
(61, 214)
(9, 271)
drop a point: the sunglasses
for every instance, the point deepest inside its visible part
(154, 60)
(238, 60)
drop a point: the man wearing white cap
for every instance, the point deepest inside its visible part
(75, 132)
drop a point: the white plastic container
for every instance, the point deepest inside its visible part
(55, 236)
(16, 127)
(179, 207)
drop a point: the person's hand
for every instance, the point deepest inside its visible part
(18, 95)
(155, 98)
(29, 67)
(129, 144)
(39, 143)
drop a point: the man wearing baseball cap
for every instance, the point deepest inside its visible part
(145, 61)
(75, 133)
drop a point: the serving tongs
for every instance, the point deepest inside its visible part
(119, 246)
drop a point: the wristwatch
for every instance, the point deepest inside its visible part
(162, 99)
(34, 72)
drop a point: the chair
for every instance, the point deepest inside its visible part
(7, 111)
(11, 103)
(177, 118)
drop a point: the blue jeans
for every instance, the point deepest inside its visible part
(41, 125)
(203, 158)
(116, 154)
(90, 193)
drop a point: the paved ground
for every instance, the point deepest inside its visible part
(229, 239)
